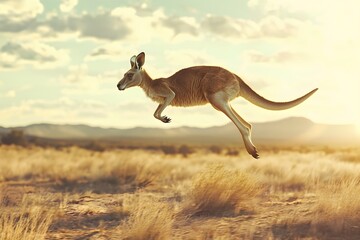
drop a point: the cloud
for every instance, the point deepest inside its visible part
(10, 94)
(142, 24)
(13, 27)
(225, 27)
(77, 74)
(122, 23)
(19, 10)
(67, 110)
(68, 5)
(14, 55)
(294, 6)
(79, 80)
(327, 36)
(181, 25)
(155, 26)
(45, 110)
(102, 26)
(99, 26)
(65, 103)
(273, 26)
(335, 19)
(278, 57)
(253, 3)
(113, 51)
(237, 28)
(188, 57)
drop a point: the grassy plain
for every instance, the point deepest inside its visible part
(73, 193)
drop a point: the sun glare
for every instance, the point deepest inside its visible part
(357, 127)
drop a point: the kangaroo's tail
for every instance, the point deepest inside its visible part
(253, 97)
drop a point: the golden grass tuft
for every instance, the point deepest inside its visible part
(149, 219)
(218, 190)
(29, 222)
(338, 207)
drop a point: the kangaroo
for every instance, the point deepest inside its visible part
(198, 86)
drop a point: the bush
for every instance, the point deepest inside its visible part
(218, 190)
(232, 152)
(150, 219)
(168, 149)
(215, 149)
(95, 146)
(15, 137)
(185, 150)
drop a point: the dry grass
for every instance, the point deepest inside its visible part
(149, 219)
(293, 171)
(136, 194)
(219, 190)
(29, 221)
(338, 207)
(75, 167)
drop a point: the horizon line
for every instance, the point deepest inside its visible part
(109, 127)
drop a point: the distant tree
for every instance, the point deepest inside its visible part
(168, 149)
(232, 152)
(15, 137)
(95, 146)
(185, 150)
(152, 148)
(215, 149)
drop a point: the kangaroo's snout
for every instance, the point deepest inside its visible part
(121, 88)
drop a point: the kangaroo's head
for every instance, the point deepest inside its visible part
(133, 76)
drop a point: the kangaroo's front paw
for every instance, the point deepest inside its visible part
(165, 119)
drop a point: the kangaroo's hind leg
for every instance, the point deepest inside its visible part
(220, 102)
(248, 125)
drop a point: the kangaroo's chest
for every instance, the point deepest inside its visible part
(155, 97)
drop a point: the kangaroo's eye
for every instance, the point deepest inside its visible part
(130, 76)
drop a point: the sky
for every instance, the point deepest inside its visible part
(60, 61)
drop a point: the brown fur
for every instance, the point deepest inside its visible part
(191, 85)
(198, 86)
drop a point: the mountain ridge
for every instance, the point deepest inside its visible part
(292, 129)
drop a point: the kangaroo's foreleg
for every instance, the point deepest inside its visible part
(220, 102)
(168, 97)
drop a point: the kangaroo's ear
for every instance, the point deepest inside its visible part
(132, 61)
(140, 60)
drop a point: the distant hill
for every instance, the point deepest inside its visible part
(288, 130)
(303, 130)
(3, 130)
